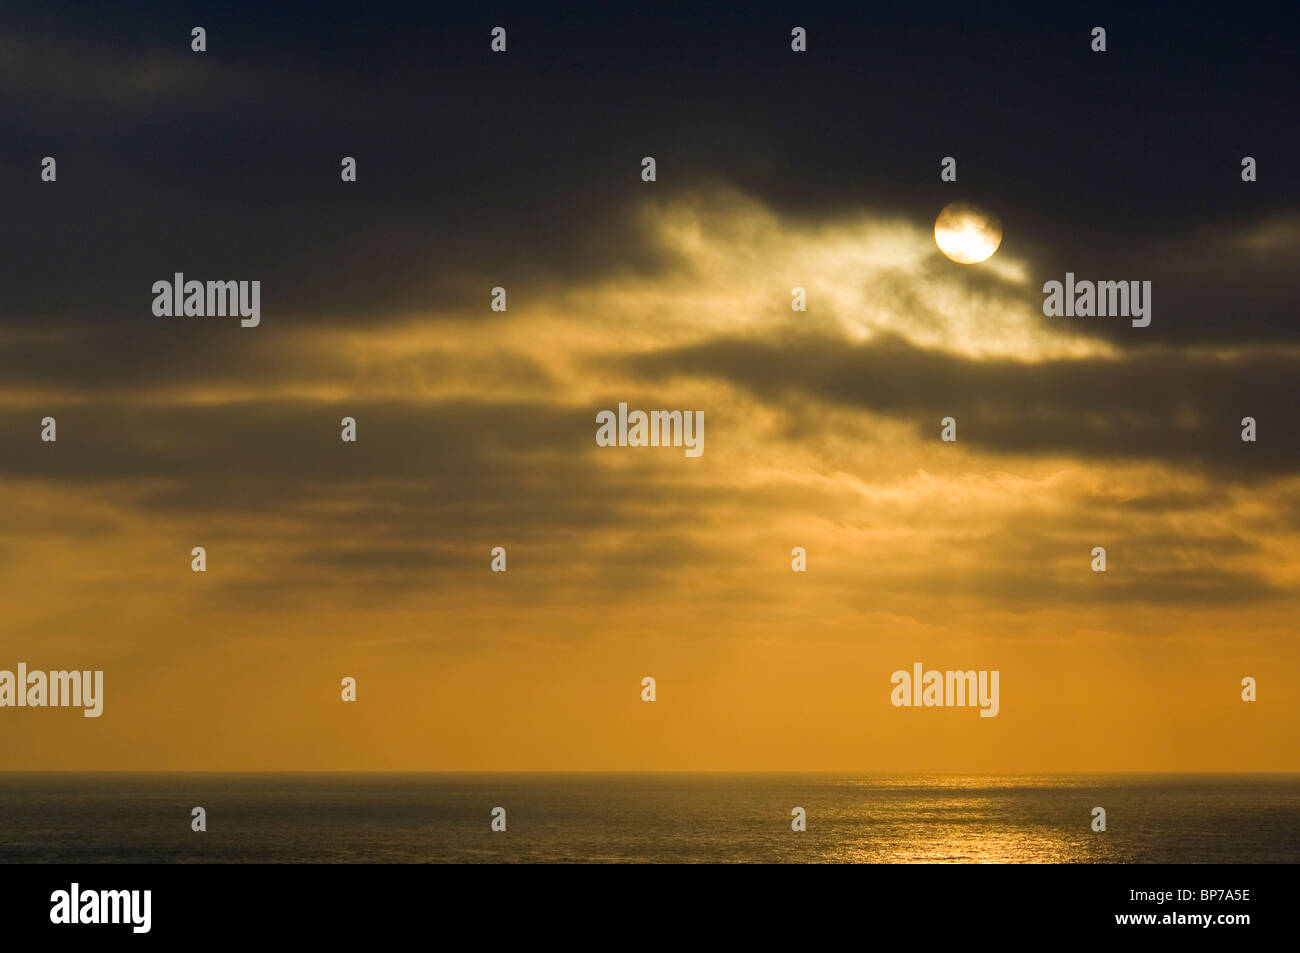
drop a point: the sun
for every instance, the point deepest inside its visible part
(967, 233)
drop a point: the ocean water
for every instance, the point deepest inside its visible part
(627, 818)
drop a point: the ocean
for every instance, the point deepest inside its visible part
(631, 818)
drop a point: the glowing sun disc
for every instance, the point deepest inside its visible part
(967, 233)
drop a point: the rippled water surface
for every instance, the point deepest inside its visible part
(420, 818)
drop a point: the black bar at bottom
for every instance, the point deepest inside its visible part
(624, 904)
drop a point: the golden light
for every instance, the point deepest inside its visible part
(967, 233)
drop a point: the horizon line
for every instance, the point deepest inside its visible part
(641, 771)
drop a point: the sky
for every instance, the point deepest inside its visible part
(476, 428)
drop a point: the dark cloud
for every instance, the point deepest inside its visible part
(462, 472)
(292, 439)
(1155, 404)
(522, 169)
(167, 357)
(1026, 587)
